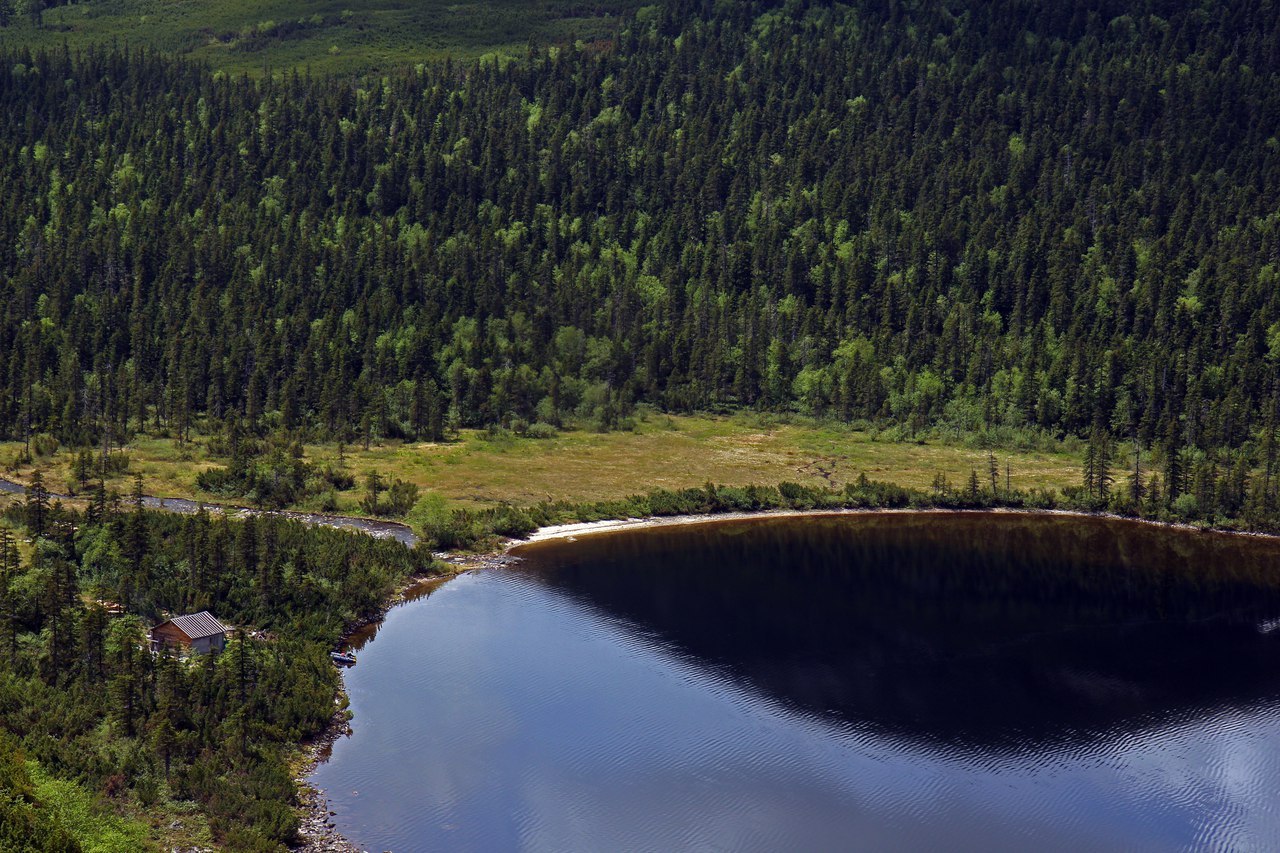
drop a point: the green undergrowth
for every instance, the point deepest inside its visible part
(41, 813)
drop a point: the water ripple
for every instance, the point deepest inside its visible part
(514, 710)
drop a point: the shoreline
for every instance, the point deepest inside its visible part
(316, 829)
(571, 531)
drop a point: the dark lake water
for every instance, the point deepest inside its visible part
(943, 681)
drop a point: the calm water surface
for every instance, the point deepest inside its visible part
(886, 682)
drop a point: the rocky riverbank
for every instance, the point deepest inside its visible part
(315, 827)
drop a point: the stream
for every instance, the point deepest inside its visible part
(373, 527)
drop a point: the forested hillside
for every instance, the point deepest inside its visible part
(1006, 217)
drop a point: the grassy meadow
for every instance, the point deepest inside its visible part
(321, 35)
(480, 469)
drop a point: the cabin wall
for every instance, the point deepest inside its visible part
(204, 645)
(167, 635)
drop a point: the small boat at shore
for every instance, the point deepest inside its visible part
(343, 658)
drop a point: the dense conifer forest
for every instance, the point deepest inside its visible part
(1002, 216)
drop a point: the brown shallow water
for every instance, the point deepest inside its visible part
(957, 681)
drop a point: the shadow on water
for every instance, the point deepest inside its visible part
(366, 634)
(990, 631)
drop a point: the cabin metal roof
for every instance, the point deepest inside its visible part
(198, 625)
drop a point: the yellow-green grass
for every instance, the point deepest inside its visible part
(664, 451)
(321, 35)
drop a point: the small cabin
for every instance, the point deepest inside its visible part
(200, 633)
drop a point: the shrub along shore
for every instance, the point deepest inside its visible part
(463, 529)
